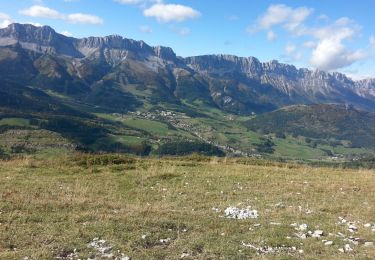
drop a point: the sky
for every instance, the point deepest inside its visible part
(332, 35)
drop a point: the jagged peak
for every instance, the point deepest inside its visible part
(24, 30)
(163, 52)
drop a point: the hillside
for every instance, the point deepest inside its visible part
(324, 122)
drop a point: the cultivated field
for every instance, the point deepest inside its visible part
(171, 208)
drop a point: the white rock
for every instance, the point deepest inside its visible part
(328, 243)
(317, 233)
(367, 225)
(301, 235)
(353, 228)
(184, 255)
(237, 213)
(302, 227)
(347, 248)
(165, 241)
(369, 243)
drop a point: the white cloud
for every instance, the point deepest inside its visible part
(293, 52)
(271, 36)
(46, 12)
(5, 20)
(290, 18)
(145, 29)
(130, 2)
(233, 18)
(290, 48)
(327, 44)
(309, 44)
(183, 31)
(372, 41)
(171, 12)
(323, 17)
(330, 52)
(42, 12)
(80, 18)
(35, 24)
(66, 33)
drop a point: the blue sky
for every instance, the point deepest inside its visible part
(332, 35)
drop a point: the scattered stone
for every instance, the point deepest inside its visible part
(367, 225)
(184, 255)
(263, 250)
(317, 233)
(257, 225)
(301, 235)
(347, 248)
(353, 240)
(280, 205)
(216, 209)
(104, 250)
(237, 213)
(352, 228)
(275, 223)
(302, 227)
(328, 243)
(67, 255)
(369, 244)
(342, 220)
(165, 241)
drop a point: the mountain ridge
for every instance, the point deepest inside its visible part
(240, 85)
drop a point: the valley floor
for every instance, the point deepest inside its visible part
(145, 208)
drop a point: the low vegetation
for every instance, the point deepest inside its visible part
(171, 208)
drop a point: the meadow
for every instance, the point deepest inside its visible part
(82, 206)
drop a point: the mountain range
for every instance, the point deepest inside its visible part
(95, 69)
(45, 74)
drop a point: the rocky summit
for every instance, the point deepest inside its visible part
(36, 55)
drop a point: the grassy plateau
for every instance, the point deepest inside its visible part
(172, 208)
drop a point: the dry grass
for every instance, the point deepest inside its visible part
(51, 207)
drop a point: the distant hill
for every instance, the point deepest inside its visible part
(323, 121)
